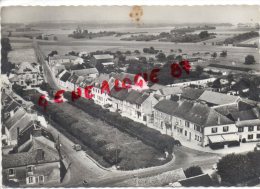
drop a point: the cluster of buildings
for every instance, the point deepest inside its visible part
(200, 116)
(27, 75)
(29, 151)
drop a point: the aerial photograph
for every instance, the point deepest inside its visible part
(130, 96)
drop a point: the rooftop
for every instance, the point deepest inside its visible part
(103, 56)
(86, 71)
(218, 98)
(26, 67)
(191, 93)
(65, 76)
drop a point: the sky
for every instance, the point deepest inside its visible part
(120, 14)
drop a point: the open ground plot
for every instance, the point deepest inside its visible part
(133, 152)
(22, 55)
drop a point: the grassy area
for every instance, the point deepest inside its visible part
(22, 55)
(133, 152)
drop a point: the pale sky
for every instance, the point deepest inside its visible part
(151, 14)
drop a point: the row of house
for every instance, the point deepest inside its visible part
(193, 114)
(29, 153)
(27, 75)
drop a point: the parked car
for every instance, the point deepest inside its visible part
(77, 147)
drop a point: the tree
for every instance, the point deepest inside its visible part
(193, 171)
(199, 70)
(137, 52)
(6, 66)
(203, 34)
(249, 59)
(223, 54)
(170, 57)
(53, 53)
(214, 55)
(55, 38)
(235, 169)
(161, 57)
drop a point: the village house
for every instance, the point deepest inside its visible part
(86, 72)
(202, 83)
(102, 58)
(166, 92)
(134, 104)
(216, 99)
(193, 121)
(15, 119)
(36, 161)
(247, 119)
(99, 97)
(27, 75)
(63, 59)
(140, 84)
(62, 78)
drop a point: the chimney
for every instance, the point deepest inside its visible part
(218, 120)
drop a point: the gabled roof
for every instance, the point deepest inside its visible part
(121, 76)
(194, 112)
(218, 98)
(191, 93)
(65, 76)
(18, 115)
(199, 180)
(120, 95)
(12, 106)
(167, 106)
(86, 72)
(30, 158)
(58, 57)
(103, 56)
(157, 86)
(248, 123)
(73, 78)
(135, 97)
(170, 91)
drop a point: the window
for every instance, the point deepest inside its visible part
(225, 129)
(144, 118)
(185, 133)
(197, 128)
(187, 124)
(11, 172)
(30, 180)
(214, 130)
(251, 128)
(41, 178)
(21, 82)
(195, 137)
(258, 136)
(250, 136)
(30, 169)
(241, 129)
(258, 128)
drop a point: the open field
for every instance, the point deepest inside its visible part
(22, 55)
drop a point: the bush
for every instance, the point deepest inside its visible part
(147, 135)
(193, 171)
(235, 169)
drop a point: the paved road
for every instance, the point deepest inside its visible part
(49, 77)
(82, 167)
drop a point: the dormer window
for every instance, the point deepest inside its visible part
(30, 169)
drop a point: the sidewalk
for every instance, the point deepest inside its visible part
(244, 147)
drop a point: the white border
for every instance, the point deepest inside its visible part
(125, 2)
